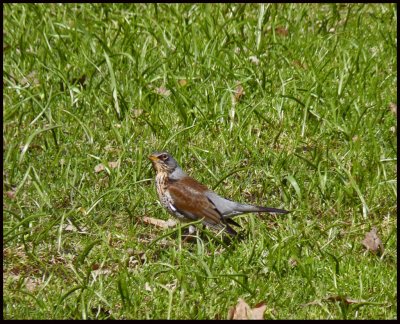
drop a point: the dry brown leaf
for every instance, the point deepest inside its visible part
(81, 210)
(72, 228)
(11, 194)
(292, 262)
(113, 165)
(238, 93)
(163, 91)
(137, 112)
(147, 287)
(95, 266)
(258, 311)
(299, 64)
(101, 271)
(393, 108)
(243, 311)
(30, 79)
(336, 298)
(99, 167)
(254, 59)
(372, 242)
(182, 82)
(32, 284)
(344, 300)
(282, 31)
(159, 222)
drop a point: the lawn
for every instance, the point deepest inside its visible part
(291, 106)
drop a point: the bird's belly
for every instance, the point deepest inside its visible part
(168, 203)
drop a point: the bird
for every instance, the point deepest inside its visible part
(189, 200)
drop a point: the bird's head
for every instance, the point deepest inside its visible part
(163, 162)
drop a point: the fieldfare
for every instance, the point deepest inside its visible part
(189, 200)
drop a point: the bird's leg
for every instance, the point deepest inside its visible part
(187, 234)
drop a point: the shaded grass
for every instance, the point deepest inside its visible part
(312, 134)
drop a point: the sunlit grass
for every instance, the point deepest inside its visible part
(313, 133)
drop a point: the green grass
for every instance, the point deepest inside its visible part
(312, 134)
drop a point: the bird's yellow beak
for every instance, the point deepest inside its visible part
(153, 158)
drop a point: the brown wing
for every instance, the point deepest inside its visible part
(189, 199)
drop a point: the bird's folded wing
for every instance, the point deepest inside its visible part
(189, 199)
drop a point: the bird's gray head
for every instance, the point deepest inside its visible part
(163, 162)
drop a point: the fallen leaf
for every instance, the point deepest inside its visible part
(253, 59)
(393, 108)
(243, 311)
(182, 82)
(110, 148)
(30, 80)
(137, 112)
(98, 272)
(159, 222)
(172, 285)
(99, 167)
(32, 284)
(336, 298)
(299, 64)
(372, 242)
(72, 228)
(344, 300)
(82, 210)
(113, 165)
(147, 287)
(163, 91)
(95, 266)
(292, 262)
(11, 194)
(137, 258)
(282, 31)
(258, 310)
(238, 93)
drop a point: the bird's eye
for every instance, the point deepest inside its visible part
(164, 157)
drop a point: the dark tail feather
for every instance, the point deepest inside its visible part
(243, 208)
(272, 210)
(228, 228)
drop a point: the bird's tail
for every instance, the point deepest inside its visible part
(228, 208)
(244, 208)
(271, 210)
